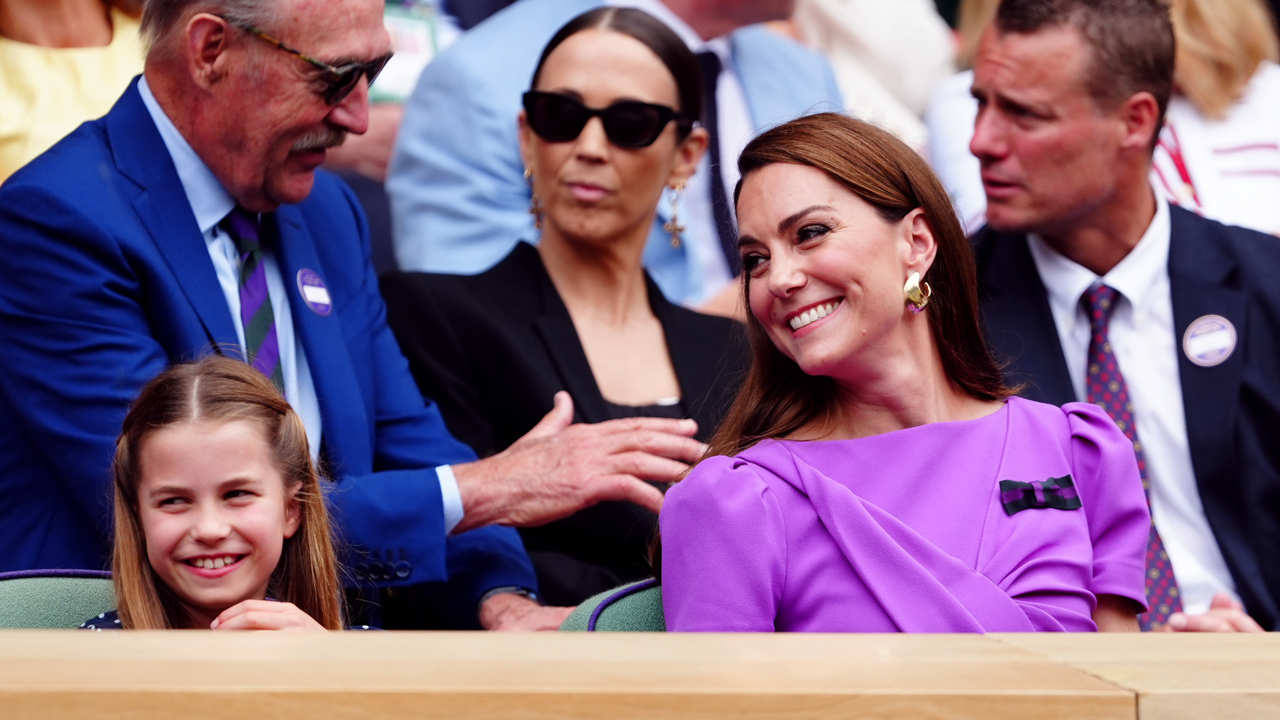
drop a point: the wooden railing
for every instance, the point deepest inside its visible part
(62, 673)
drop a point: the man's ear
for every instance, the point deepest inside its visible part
(1140, 114)
(919, 242)
(205, 41)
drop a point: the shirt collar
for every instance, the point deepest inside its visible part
(210, 202)
(1133, 277)
(659, 10)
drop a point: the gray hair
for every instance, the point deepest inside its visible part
(159, 17)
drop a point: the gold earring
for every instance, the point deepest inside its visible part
(673, 225)
(917, 293)
(535, 207)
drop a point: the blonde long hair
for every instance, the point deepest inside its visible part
(1219, 47)
(221, 389)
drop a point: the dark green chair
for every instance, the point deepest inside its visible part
(53, 598)
(634, 607)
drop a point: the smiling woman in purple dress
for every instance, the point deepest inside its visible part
(874, 473)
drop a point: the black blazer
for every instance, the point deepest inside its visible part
(1232, 410)
(493, 349)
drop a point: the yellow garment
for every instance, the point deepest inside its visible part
(46, 93)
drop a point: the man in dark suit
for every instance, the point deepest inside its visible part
(129, 246)
(1094, 289)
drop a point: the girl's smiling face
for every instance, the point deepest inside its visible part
(214, 512)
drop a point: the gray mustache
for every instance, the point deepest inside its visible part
(320, 139)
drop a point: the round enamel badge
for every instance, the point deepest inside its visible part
(1209, 340)
(313, 292)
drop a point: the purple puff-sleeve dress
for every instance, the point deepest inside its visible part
(1010, 522)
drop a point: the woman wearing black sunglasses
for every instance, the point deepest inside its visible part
(607, 128)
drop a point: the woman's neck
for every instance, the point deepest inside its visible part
(906, 387)
(57, 23)
(602, 284)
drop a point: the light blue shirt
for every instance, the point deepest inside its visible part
(210, 202)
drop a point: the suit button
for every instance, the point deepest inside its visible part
(403, 569)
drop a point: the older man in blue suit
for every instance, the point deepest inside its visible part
(459, 203)
(1096, 289)
(128, 247)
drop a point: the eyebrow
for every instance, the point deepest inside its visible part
(795, 217)
(233, 483)
(786, 223)
(168, 490)
(1002, 100)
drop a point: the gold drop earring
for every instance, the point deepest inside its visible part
(673, 225)
(916, 292)
(535, 207)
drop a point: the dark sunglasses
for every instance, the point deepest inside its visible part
(627, 123)
(339, 80)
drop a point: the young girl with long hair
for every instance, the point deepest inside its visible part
(219, 519)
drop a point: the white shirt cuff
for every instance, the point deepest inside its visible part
(450, 498)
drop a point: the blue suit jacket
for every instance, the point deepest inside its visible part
(1232, 410)
(458, 199)
(108, 280)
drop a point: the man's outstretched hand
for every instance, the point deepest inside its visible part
(558, 468)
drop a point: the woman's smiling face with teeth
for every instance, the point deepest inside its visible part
(824, 269)
(214, 512)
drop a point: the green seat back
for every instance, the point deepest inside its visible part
(53, 598)
(635, 607)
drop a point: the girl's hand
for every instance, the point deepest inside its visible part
(264, 615)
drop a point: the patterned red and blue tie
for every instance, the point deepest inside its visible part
(261, 344)
(1105, 387)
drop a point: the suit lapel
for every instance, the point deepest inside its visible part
(1201, 283)
(163, 208)
(332, 374)
(1203, 280)
(1018, 322)
(560, 340)
(762, 82)
(695, 372)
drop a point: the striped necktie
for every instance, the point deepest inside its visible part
(1105, 387)
(262, 348)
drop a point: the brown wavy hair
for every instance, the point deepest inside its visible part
(778, 397)
(221, 389)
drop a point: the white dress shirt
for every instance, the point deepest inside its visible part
(735, 130)
(1141, 333)
(210, 202)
